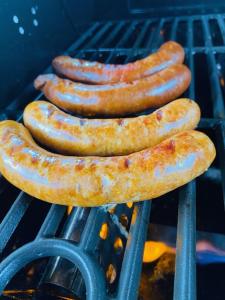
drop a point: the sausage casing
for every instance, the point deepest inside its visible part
(105, 137)
(168, 54)
(94, 181)
(116, 99)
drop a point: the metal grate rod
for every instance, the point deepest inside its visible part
(132, 262)
(112, 34)
(220, 132)
(222, 27)
(94, 40)
(218, 105)
(174, 29)
(126, 35)
(154, 36)
(185, 270)
(140, 37)
(13, 217)
(51, 222)
(60, 273)
(191, 90)
(83, 37)
(90, 235)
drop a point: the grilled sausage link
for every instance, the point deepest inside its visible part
(104, 137)
(168, 54)
(93, 181)
(116, 99)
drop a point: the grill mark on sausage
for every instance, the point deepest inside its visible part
(126, 163)
(159, 115)
(120, 122)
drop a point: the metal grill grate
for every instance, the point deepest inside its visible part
(119, 42)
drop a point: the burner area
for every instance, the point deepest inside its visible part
(55, 252)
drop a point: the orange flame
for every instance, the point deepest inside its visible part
(104, 231)
(153, 251)
(69, 209)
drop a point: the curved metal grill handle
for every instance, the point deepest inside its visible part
(93, 276)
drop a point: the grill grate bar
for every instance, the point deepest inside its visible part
(151, 38)
(74, 224)
(127, 34)
(212, 174)
(190, 59)
(110, 57)
(51, 222)
(12, 218)
(94, 56)
(222, 27)
(209, 123)
(221, 147)
(140, 37)
(94, 279)
(196, 49)
(154, 36)
(173, 33)
(82, 39)
(112, 35)
(93, 42)
(90, 235)
(71, 280)
(185, 270)
(132, 261)
(129, 56)
(218, 105)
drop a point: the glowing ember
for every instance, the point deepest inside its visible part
(104, 231)
(153, 250)
(118, 245)
(69, 209)
(111, 273)
(129, 204)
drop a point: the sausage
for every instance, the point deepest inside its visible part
(116, 99)
(94, 181)
(104, 137)
(168, 54)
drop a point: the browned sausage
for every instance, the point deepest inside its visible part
(93, 181)
(104, 137)
(168, 54)
(119, 98)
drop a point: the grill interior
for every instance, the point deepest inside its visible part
(93, 232)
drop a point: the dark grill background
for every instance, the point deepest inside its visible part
(120, 42)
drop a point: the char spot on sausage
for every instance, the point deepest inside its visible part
(80, 165)
(5, 136)
(50, 112)
(59, 124)
(171, 145)
(126, 163)
(82, 122)
(34, 160)
(93, 166)
(12, 150)
(159, 115)
(120, 122)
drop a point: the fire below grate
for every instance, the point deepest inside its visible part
(109, 261)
